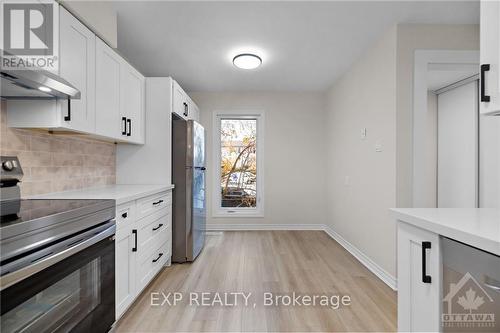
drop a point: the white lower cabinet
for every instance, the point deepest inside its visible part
(419, 280)
(143, 246)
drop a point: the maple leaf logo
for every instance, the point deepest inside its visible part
(470, 301)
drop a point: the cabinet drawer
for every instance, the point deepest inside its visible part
(150, 265)
(155, 230)
(125, 215)
(152, 204)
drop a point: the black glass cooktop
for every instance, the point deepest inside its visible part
(26, 210)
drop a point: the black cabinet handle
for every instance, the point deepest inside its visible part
(157, 202)
(67, 117)
(158, 227)
(124, 123)
(124, 215)
(425, 278)
(484, 68)
(129, 122)
(134, 249)
(186, 110)
(159, 256)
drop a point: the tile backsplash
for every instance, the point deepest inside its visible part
(54, 163)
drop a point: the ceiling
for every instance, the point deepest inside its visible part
(305, 46)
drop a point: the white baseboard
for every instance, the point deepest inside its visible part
(255, 227)
(381, 273)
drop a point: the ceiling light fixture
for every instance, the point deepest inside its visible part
(44, 89)
(247, 61)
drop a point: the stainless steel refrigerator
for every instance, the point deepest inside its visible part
(188, 175)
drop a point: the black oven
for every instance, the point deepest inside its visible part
(66, 286)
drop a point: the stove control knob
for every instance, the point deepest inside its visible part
(8, 165)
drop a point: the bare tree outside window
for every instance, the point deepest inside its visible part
(238, 162)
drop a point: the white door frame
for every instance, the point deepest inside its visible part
(423, 58)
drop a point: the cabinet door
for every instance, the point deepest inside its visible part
(107, 119)
(125, 259)
(490, 57)
(180, 102)
(194, 112)
(125, 272)
(419, 299)
(77, 66)
(132, 97)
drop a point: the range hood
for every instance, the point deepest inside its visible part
(35, 84)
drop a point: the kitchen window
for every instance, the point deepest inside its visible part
(238, 142)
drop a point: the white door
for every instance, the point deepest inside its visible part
(458, 147)
(132, 97)
(77, 66)
(419, 298)
(107, 119)
(490, 56)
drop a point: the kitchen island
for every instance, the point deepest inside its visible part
(435, 243)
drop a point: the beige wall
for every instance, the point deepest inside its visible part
(358, 209)
(53, 163)
(377, 93)
(410, 38)
(294, 153)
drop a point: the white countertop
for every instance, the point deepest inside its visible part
(478, 227)
(120, 193)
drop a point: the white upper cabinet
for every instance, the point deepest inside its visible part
(132, 85)
(107, 120)
(119, 97)
(112, 91)
(183, 105)
(490, 57)
(77, 65)
(194, 111)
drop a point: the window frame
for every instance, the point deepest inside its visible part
(217, 210)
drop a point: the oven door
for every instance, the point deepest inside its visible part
(75, 294)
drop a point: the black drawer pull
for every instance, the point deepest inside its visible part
(425, 278)
(484, 68)
(157, 202)
(158, 227)
(129, 122)
(124, 215)
(67, 117)
(134, 249)
(124, 123)
(159, 256)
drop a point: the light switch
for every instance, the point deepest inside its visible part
(347, 180)
(363, 134)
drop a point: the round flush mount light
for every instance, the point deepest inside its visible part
(247, 61)
(44, 89)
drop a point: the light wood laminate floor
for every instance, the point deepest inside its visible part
(281, 262)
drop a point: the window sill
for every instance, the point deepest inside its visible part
(238, 214)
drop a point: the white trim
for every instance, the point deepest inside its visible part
(372, 266)
(263, 227)
(421, 186)
(217, 211)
